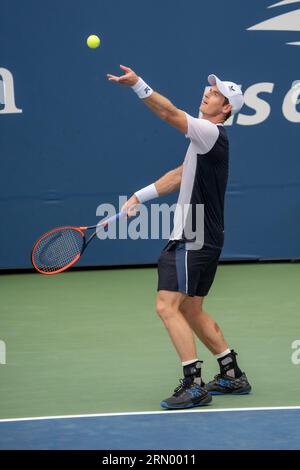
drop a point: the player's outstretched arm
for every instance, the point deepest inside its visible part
(170, 182)
(160, 105)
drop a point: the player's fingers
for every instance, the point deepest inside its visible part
(133, 210)
(127, 69)
(128, 209)
(123, 79)
(124, 208)
(112, 77)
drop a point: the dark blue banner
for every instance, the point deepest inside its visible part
(71, 140)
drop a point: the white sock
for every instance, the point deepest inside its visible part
(187, 363)
(219, 356)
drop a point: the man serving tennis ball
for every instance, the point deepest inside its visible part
(185, 272)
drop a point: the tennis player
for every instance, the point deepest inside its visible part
(188, 263)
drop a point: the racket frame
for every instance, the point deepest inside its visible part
(57, 229)
(85, 242)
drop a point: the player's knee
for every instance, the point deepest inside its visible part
(163, 310)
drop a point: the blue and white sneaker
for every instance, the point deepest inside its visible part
(188, 394)
(226, 385)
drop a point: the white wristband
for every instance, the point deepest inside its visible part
(147, 193)
(142, 89)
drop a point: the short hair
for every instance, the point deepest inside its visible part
(227, 116)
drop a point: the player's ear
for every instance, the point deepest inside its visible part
(227, 108)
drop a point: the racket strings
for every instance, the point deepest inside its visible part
(58, 249)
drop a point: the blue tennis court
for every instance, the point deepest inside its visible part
(195, 430)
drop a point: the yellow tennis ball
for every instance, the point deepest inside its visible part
(93, 41)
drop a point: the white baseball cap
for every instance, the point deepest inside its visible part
(230, 90)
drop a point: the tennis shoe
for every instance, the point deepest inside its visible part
(188, 394)
(226, 385)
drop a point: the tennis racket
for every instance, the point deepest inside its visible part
(60, 248)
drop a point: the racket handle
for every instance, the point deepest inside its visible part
(113, 218)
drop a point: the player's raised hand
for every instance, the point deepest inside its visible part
(129, 78)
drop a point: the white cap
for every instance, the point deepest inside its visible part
(230, 90)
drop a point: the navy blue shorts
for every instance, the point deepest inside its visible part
(190, 272)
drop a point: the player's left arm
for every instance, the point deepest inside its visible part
(167, 111)
(158, 104)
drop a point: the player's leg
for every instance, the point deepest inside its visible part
(230, 379)
(189, 393)
(167, 307)
(203, 325)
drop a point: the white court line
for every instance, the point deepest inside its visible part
(162, 413)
